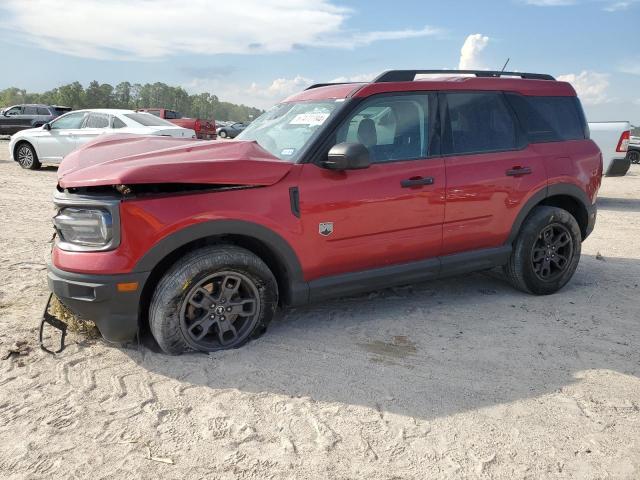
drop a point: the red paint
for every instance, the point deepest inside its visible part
(135, 159)
(471, 204)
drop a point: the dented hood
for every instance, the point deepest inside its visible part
(134, 159)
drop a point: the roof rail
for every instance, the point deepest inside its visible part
(410, 75)
(318, 85)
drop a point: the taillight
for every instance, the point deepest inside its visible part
(623, 144)
(197, 126)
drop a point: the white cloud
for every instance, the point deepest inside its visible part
(255, 94)
(609, 5)
(125, 29)
(360, 77)
(550, 3)
(591, 86)
(471, 52)
(631, 67)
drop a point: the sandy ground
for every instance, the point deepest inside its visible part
(463, 378)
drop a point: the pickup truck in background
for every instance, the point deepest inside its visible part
(613, 140)
(205, 129)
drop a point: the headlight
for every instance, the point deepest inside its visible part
(84, 227)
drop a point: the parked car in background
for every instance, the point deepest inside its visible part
(205, 129)
(231, 131)
(51, 142)
(613, 140)
(340, 189)
(633, 153)
(21, 117)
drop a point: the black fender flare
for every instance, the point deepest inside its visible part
(286, 256)
(546, 192)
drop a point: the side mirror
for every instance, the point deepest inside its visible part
(347, 156)
(46, 126)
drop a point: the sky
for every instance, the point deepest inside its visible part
(257, 52)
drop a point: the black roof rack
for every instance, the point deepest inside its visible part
(318, 85)
(410, 75)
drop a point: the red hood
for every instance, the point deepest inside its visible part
(134, 159)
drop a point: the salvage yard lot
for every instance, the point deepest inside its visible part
(464, 377)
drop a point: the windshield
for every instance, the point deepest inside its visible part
(285, 129)
(148, 120)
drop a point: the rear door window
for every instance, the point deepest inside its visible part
(29, 110)
(479, 123)
(97, 120)
(43, 111)
(550, 119)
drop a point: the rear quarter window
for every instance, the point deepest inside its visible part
(550, 119)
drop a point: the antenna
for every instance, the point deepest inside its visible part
(505, 64)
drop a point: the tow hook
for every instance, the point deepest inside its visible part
(55, 323)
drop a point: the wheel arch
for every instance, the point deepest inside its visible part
(263, 242)
(20, 142)
(566, 196)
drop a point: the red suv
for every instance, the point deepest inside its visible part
(339, 189)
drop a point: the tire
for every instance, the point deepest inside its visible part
(189, 311)
(26, 156)
(222, 134)
(634, 156)
(531, 267)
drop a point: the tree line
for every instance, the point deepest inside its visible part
(133, 96)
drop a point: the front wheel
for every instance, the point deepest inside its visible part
(26, 156)
(546, 252)
(222, 134)
(215, 298)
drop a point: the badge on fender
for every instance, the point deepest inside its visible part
(325, 229)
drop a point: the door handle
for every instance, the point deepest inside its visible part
(416, 182)
(518, 171)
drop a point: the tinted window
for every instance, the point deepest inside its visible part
(170, 114)
(13, 111)
(550, 119)
(148, 120)
(28, 110)
(392, 128)
(43, 111)
(72, 120)
(97, 120)
(479, 122)
(117, 123)
(154, 112)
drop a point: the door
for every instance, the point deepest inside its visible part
(95, 124)
(389, 213)
(490, 170)
(12, 120)
(54, 144)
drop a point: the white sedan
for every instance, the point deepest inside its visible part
(54, 140)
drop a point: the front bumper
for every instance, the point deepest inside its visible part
(96, 298)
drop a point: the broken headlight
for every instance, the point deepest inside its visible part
(87, 228)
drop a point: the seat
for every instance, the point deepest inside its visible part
(367, 134)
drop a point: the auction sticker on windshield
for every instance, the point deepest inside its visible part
(310, 119)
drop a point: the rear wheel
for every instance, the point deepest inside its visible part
(546, 252)
(26, 156)
(215, 298)
(223, 134)
(634, 156)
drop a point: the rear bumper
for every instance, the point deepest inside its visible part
(206, 135)
(618, 167)
(96, 298)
